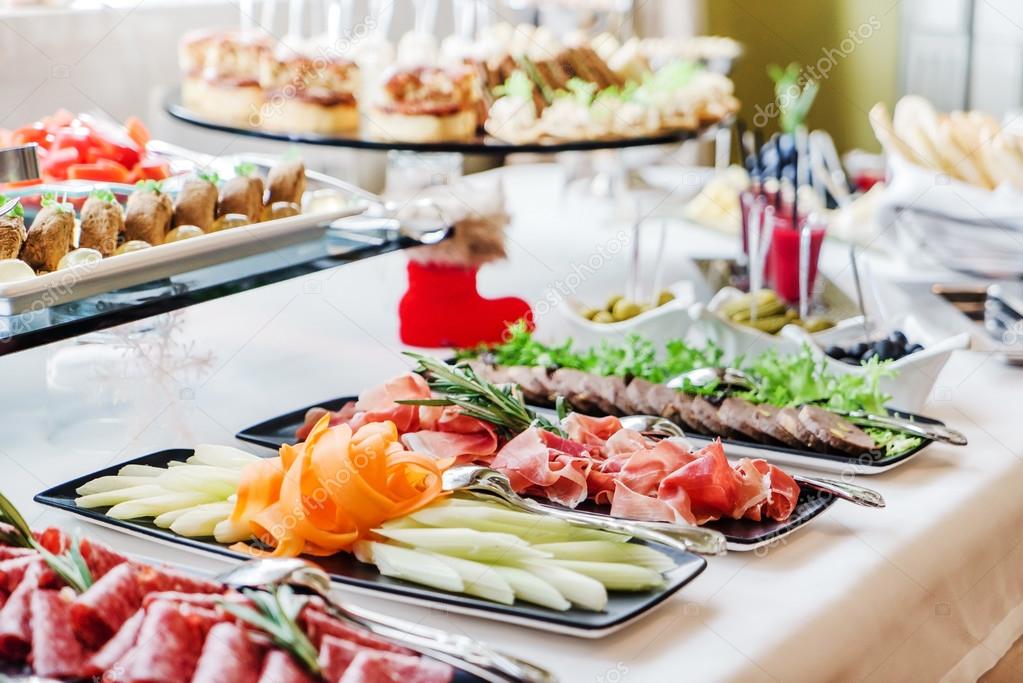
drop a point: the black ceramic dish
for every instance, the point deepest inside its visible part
(280, 430)
(353, 575)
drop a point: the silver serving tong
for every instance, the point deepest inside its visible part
(726, 377)
(486, 483)
(934, 432)
(653, 425)
(454, 648)
(8, 206)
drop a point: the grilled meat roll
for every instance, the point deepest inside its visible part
(102, 222)
(244, 195)
(286, 182)
(12, 235)
(49, 238)
(196, 204)
(147, 216)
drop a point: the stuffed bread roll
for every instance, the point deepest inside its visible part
(196, 203)
(50, 236)
(12, 231)
(286, 182)
(148, 214)
(102, 221)
(242, 194)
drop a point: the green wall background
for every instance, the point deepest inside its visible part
(801, 30)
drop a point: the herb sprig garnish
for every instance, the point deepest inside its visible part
(18, 210)
(276, 614)
(154, 186)
(502, 406)
(69, 565)
(245, 168)
(50, 201)
(104, 195)
(212, 177)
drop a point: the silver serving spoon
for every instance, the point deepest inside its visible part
(486, 483)
(653, 425)
(727, 377)
(454, 648)
(933, 432)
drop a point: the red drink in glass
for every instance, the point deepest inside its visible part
(783, 259)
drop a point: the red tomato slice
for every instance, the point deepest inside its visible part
(57, 162)
(108, 172)
(152, 169)
(26, 134)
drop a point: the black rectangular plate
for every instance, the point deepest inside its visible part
(346, 570)
(281, 429)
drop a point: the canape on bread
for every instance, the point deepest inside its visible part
(222, 75)
(425, 104)
(308, 93)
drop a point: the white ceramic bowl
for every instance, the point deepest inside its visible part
(915, 374)
(739, 340)
(659, 325)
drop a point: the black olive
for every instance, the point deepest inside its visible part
(898, 338)
(867, 355)
(835, 351)
(858, 349)
(851, 360)
(885, 349)
(913, 348)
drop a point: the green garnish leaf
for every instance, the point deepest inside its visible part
(18, 209)
(245, 168)
(50, 201)
(154, 186)
(517, 84)
(104, 195)
(212, 177)
(579, 90)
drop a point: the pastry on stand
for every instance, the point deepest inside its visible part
(442, 306)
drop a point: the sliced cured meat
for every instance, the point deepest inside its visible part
(15, 625)
(644, 470)
(335, 656)
(535, 389)
(280, 667)
(680, 410)
(784, 491)
(53, 539)
(455, 437)
(167, 649)
(591, 431)
(788, 419)
(10, 552)
(229, 655)
(706, 416)
(529, 463)
(737, 415)
(754, 489)
(378, 404)
(835, 431)
(765, 419)
(628, 504)
(708, 482)
(388, 667)
(313, 416)
(101, 610)
(319, 625)
(56, 651)
(12, 570)
(115, 648)
(99, 557)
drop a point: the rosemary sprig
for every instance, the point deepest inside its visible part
(459, 385)
(69, 565)
(278, 609)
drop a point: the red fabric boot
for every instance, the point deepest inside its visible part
(442, 308)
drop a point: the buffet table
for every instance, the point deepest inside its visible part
(929, 585)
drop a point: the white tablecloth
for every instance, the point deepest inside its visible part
(931, 585)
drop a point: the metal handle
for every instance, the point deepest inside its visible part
(685, 538)
(933, 432)
(460, 650)
(850, 492)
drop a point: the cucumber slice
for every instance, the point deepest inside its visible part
(228, 532)
(531, 588)
(534, 528)
(614, 575)
(216, 481)
(154, 506)
(466, 543)
(112, 483)
(480, 579)
(140, 471)
(415, 566)
(97, 500)
(604, 551)
(579, 589)
(201, 520)
(221, 456)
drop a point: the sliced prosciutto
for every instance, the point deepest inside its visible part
(535, 462)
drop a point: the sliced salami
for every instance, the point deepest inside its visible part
(229, 655)
(99, 557)
(15, 626)
(167, 648)
(280, 667)
(100, 611)
(391, 667)
(335, 656)
(115, 648)
(56, 651)
(318, 624)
